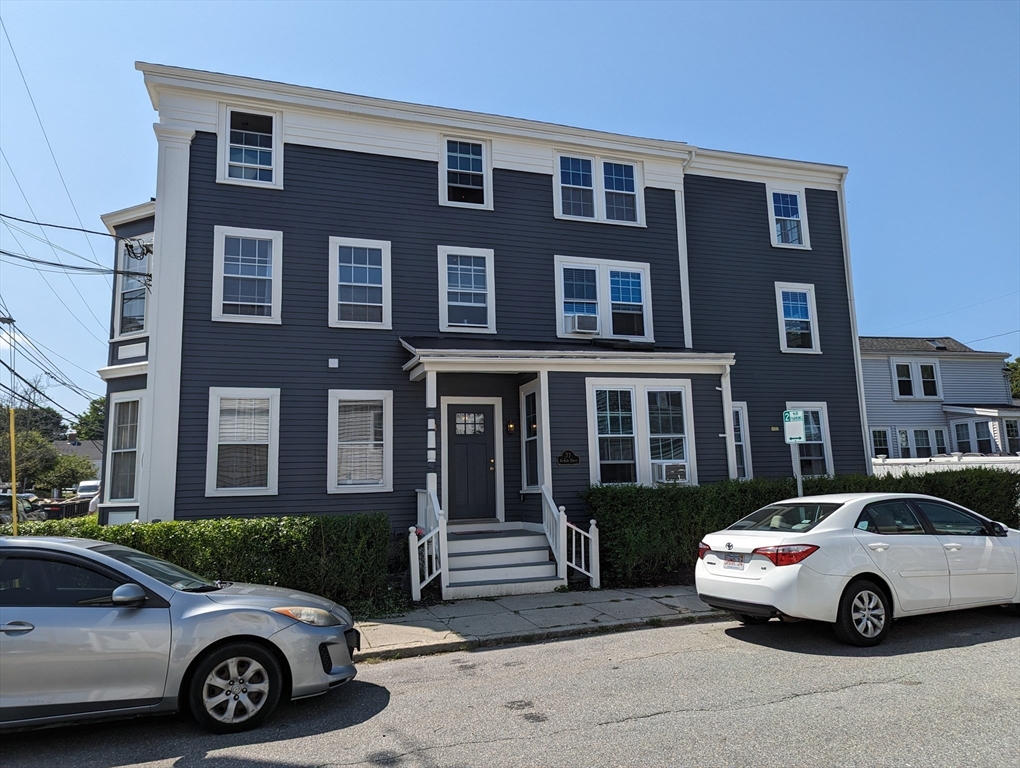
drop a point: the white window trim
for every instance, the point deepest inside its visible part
(120, 397)
(219, 238)
(486, 171)
(212, 441)
(915, 378)
(790, 189)
(888, 441)
(122, 263)
(223, 146)
(532, 388)
(741, 406)
(599, 189)
(993, 429)
(794, 450)
(490, 289)
(809, 289)
(642, 430)
(912, 441)
(334, 282)
(336, 396)
(605, 304)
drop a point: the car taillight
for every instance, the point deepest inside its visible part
(786, 554)
(703, 549)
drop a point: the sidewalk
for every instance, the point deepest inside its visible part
(465, 624)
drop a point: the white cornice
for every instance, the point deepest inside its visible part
(934, 355)
(120, 371)
(115, 219)
(160, 79)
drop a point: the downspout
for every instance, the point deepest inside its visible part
(844, 229)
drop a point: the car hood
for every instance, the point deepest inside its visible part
(263, 596)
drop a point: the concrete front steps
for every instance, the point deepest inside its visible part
(495, 563)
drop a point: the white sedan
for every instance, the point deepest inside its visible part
(857, 561)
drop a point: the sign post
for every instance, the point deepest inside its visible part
(793, 428)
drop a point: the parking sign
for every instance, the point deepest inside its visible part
(793, 426)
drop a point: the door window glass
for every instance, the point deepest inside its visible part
(470, 423)
(889, 517)
(26, 581)
(949, 521)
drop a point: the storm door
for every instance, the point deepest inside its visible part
(471, 454)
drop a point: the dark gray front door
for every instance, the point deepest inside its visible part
(471, 455)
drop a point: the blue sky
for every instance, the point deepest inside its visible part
(920, 100)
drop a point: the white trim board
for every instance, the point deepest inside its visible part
(497, 403)
(337, 396)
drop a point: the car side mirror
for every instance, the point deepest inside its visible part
(998, 529)
(128, 595)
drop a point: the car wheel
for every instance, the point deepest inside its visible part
(864, 615)
(235, 688)
(745, 618)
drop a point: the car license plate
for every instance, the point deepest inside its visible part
(733, 561)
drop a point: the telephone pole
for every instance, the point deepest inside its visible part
(9, 322)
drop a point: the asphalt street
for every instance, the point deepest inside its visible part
(943, 690)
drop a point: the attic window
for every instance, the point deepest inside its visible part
(250, 150)
(937, 344)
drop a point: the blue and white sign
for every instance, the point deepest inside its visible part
(793, 426)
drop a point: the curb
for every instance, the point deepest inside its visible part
(555, 633)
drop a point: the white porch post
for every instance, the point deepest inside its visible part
(431, 479)
(727, 405)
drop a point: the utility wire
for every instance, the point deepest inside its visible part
(51, 245)
(959, 309)
(985, 338)
(62, 226)
(39, 345)
(35, 389)
(45, 136)
(60, 266)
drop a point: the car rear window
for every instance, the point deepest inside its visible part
(785, 517)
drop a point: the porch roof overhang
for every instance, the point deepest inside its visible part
(443, 355)
(995, 410)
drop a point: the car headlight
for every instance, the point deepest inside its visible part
(343, 615)
(314, 616)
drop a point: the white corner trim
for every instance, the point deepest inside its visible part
(490, 289)
(486, 172)
(545, 430)
(216, 394)
(120, 371)
(792, 189)
(794, 447)
(337, 396)
(809, 289)
(497, 403)
(223, 144)
(685, 280)
(220, 233)
(334, 282)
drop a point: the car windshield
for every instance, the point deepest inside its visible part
(790, 516)
(168, 573)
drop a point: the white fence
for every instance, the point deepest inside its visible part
(899, 467)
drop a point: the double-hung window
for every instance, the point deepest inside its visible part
(465, 174)
(974, 437)
(360, 451)
(530, 458)
(598, 189)
(132, 286)
(640, 431)
(467, 290)
(243, 443)
(741, 441)
(1012, 435)
(247, 281)
(921, 443)
(916, 379)
(250, 147)
(798, 318)
(815, 453)
(359, 283)
(880, 443)
(787, 216)
(603, 298)
(122, 469)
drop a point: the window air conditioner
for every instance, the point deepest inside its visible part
(584, 323)
(673, 472)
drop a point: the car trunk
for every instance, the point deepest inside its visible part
(730, 554)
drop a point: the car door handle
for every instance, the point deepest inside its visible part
(15, 627)
(878, 546)
(953, 547)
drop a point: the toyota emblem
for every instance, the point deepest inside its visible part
(729, 545)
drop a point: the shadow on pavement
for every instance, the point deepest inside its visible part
(915, 634)
(178, 738)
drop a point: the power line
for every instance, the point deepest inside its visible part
(45, 136)
(51, 245)
(38, 344)
(985, 338)
(35, 389)
(959, 309)
(63, 226)
(60, 266)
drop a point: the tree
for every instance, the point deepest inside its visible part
(1014, 376)
(69, 470)
(92, 423)
(44, 420)
(36, 456)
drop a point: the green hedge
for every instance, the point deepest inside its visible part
(650, 535)
(342, 558)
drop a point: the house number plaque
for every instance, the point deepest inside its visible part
(568, 457)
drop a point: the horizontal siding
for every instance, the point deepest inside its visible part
(974, 381)
(733, 270)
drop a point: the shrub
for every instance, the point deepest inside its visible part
(650, 535)
(342, 558)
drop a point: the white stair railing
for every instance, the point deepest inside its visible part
(426, 551)
(570, 545)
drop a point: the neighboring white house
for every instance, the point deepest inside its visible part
(927, 397)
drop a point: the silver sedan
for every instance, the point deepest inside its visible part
(93, 630)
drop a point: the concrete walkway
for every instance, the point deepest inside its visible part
(465, 624)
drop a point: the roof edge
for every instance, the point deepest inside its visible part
(115, 219)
